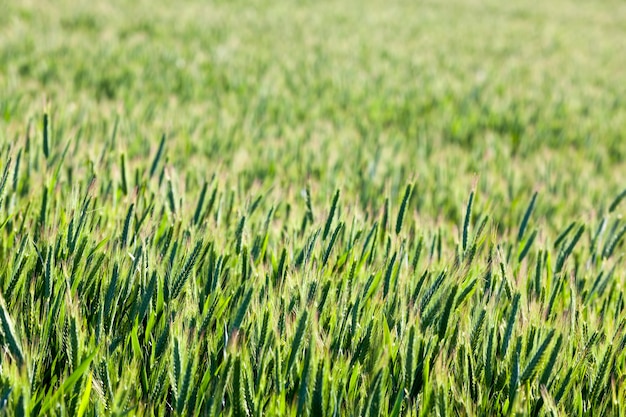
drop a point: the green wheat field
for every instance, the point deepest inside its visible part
(312, 208)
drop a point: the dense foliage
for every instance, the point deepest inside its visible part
(312, 208)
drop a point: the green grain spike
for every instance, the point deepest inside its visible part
(109, 310)
(531, 367)
(263, 333)
(420, 367)
(126, 228)
(564, 254)
(239, 234)
(477, 330)
(369, 238)
(72, 342)
(183, 392)
(510, 324)
(176, 369)
(77, 258)
(9, 334)
(388, 274)
(489, 360)
(241, 312)
(278, 374)
(3, 180)
(333, 239)
(309, 206)
(279, 272)
(171, 199)
(547, 370)
(255, 204)
(537, 274)
(303, 391)
(481, 227)
(418, 286)
(198, 212)
(429, 317)
(403, 206)
(324, 297)
(471, 378)
(439, 244)
(147, 297)
(184, 273)
(418, 252)
(555, 291)
(240, 403)
(297, 341)
(465, 293)
(526, 217)
(124, 184)
(363, 347)
(613, 242)
(16, 171)
(375, 395)
(466, 223)
(162, 342)
(317, 402)
(157, 157)
(48, 276)
(385, 218)
(564, 385)
(245, 262)
(445, 316)
(331, 214)
(527, 246)
(44, 208)
(514, 380)
(46, 135)
(563, 234)
(616, 201)
(598, 381)
(599, 231)
(408, 367)
(425, 300)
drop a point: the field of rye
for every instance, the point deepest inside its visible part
(312, 208)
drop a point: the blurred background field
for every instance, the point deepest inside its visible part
(521, 95)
